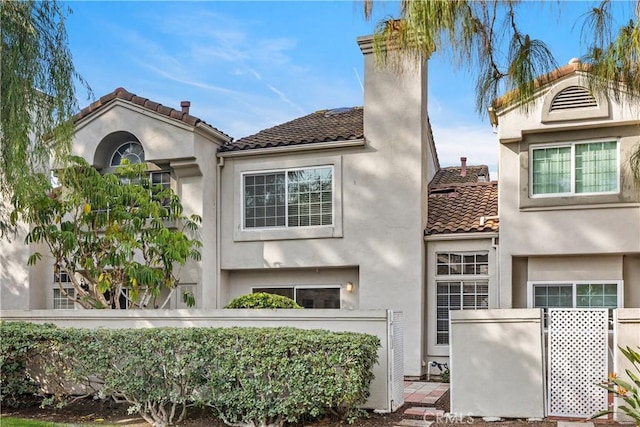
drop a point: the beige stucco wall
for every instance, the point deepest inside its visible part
(241, 282)
(631, 275)
(521, 122)
(497, 364)
(456, 243)
(568, 268)
(374, 322)
(562, 227)
(381, 187)
(627, 335)
(14, 273)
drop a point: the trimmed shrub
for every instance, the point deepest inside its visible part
(21, 342)
(269, 376)
(262, 300)
(247, 376)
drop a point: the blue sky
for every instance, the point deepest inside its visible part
(247, 66)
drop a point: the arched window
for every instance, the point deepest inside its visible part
(131, 151)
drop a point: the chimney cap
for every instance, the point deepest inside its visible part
(463, 166)
(185, 106)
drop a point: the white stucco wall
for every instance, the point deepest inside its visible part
(497, 363)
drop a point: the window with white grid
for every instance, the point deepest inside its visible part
(462, 283)
(575, 295)
(162, 179)
(575, 168)
(462, 263)
(62, 301)
(458, 295)
(288, 198)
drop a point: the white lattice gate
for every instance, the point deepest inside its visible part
(578, 352)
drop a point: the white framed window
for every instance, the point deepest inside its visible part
(579, 294)
(62, 301)
(462, 283)
(458, 295)
(307, 296)
(61, 297)
(163, 179)
(577, 168)
(288, 198)
(458, 263)
(131, 150)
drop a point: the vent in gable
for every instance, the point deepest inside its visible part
(573, 97)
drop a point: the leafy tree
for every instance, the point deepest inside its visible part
(487, 38)
(111, 232)
(37, 79)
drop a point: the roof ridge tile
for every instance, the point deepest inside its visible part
(123, 94)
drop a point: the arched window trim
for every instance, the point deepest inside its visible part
(122, 152)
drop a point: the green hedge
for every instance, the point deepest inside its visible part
(19, 343)
(262, 300)
(250, 376)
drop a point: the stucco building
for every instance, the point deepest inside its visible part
(569, 224)
(349, 208)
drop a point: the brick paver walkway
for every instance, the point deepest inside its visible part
(424, 393)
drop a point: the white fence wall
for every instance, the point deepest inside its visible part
(374, 322)
(497, 363)
(498, 360)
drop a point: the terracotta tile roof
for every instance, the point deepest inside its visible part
(459, 208)
(452, 175)
(122, 93)
(540, 81)
(339, 124)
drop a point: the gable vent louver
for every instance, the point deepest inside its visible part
(573, 97)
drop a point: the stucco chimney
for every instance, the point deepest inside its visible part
(463, 166)
(185, 106)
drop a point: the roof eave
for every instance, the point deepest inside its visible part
(286, 149)
(475, 235)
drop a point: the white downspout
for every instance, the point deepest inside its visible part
(219, 167)
(495, 244)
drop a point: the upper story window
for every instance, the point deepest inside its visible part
(131, 151)
(575, 168)
(300, 197)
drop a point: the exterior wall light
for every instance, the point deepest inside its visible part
(349, 287)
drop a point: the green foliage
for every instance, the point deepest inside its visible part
(445, 376)
(262, 300)
(22, 422)
(111, 232)
(247, 376)
(487, 38)
(38, 82)
(20, 343)
(628, 392)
